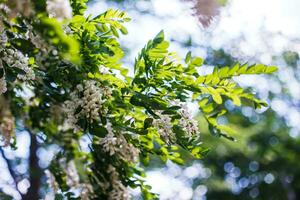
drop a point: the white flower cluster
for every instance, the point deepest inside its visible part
(20, 7)
(93, 99)
(89, 98)
(164, 124)
(119, 191)
(117, 145)
(36, 39)
(7, 125)
(4, 8)
(104, 70)
(60, 9)
(51, 180)
(87, 191)
(3, 86)
(3, 38)
(188, 124)
(7, 122)
(15, 58)
(13, 8)
(73, 180)
(164, 127)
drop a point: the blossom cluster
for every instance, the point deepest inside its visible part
(116, 144)
(13, 8)
(72, 180)
(164, 126)
(119, 191)
(89, 98)
(37, 40)
(7, 122)
(3, 85)
(60, 9)
(7, 129)
(188, 124)
(15, 59)
(51, 180)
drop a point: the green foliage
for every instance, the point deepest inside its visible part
(82, 90)
(79, 6)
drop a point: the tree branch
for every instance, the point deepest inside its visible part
(35, 171)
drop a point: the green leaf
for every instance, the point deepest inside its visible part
(188, 57)
(215, 95)
(271, 69)
(99, 131)
(159, 38)
(148, 122)
(197, 61)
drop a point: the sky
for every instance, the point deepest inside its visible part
(265, 26)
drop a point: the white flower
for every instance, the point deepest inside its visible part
(51, 180)
(69, 167)
(3, 38)
(110, 144)
(164, 127)
(3, 86)
(60, 9)
(188, 124)
(15, 58)
(103, 70)
(73, 179)
(87, 191)
(7, 125)
(38, 41)
(72, 174)
(90, 105)
(164, 124)
(93, 99)
(119, 191)
(118, 145)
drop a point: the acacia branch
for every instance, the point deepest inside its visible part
(35, 171)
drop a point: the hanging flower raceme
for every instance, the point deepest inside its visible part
(116, 144)
(7, 123)
(3, 85)
(18, 7)
(188, 124)
(51, 180)
(164, 126)
(72, 180)
(87, 101)
(37, 40)
(119, 191)
(15, 59)
(7, 129)
(60, 9)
